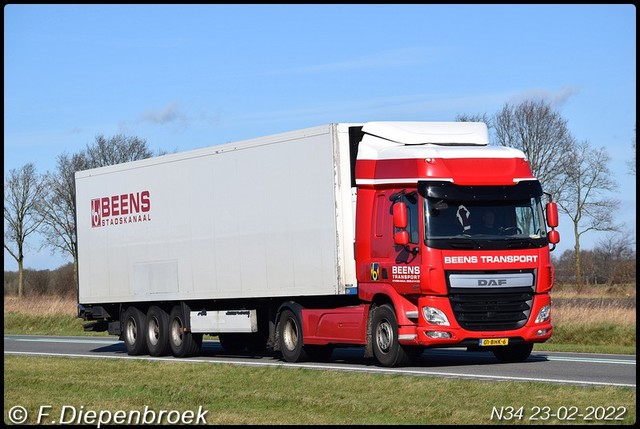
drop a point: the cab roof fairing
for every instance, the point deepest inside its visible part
(422, 140)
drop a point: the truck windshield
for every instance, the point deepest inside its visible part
(483, 217)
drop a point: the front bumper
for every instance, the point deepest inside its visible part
(429, 335)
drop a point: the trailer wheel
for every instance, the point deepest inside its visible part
(134, 322)
(386, 349)
(291, 337)
(157, 331)
(182, 343)
(514, 353)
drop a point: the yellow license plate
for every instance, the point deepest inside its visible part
(494, 342)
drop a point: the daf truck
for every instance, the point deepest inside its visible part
(343, 235)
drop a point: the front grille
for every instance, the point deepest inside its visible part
(496, 309)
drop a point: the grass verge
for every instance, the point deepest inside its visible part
(237, 395)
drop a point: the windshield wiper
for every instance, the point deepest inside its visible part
(476, 242)
(513, 242)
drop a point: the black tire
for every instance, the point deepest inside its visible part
(291, 342)
(514, 353)
(182, 343)
(158, 332)
(134, 328)
(384, 330)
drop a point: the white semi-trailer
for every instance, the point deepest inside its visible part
(323, 237)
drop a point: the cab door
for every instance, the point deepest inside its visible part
(396, 240)
(407, 238)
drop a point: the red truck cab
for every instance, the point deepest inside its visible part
(430, 274)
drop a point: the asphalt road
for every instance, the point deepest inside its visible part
(551, 367)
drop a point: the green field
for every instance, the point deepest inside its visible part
(250, 395)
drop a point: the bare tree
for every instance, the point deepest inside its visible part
(476, 118)
(23, 191)
(541, 133)
(582, 195)
(116, 150)
(615, 259)
(563, 267)
(575, 175)
(59, 208)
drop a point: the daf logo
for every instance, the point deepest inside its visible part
(492, 282)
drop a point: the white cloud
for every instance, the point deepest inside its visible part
(554, 98)
(171, 113)
(393, 58)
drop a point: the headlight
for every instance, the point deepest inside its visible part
(543, 314)
(435, 316)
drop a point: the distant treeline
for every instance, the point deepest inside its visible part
(58, 282)
(605, 265)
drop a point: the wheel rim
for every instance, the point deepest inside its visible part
(384, 336)
(154, 331)
(176, 332)
(132, 331)
(290, 335)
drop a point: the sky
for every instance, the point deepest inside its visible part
(188, 76)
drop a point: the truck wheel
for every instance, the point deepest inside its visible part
(386, 349)
(182, 343)
(515, 353)
(291, 337)
(157, 331)
(134, 322)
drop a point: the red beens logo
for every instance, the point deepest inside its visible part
(121, 209)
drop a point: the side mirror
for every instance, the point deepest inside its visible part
(554, 236)
(401, 237)
(552, 214)
(400, 215)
